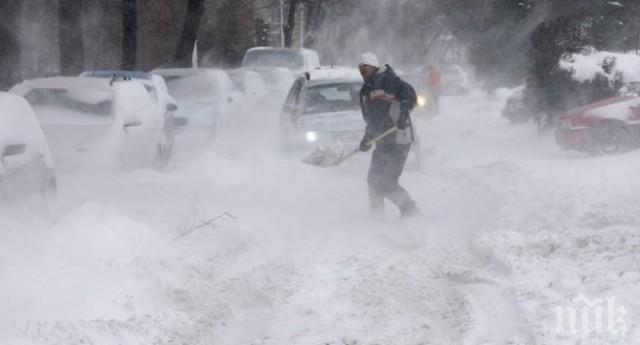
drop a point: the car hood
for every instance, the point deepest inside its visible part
(625, 108)
(333, 122)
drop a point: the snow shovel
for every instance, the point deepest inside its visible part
(331, 156)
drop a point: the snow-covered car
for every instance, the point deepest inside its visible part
(250, 83)
(609, 126)
(26, 166)
(515, 109)
(165, 104)
(96, 122)
(455, 80)
(206, 99)
(296, 60)
(322, 107)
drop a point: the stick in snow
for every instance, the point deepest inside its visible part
(204, 224)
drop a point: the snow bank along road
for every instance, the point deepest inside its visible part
(512, 228)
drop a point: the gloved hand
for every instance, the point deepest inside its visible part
(403, 122)
(364, 144)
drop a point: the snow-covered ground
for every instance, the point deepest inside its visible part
(511, 229)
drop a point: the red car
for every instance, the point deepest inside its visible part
(607, 127)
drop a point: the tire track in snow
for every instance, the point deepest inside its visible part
(483, 280)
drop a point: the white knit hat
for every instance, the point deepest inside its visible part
(369, 59)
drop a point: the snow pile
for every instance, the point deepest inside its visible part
(590, 63)
(83, 268)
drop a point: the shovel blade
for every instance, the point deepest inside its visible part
(325, 156)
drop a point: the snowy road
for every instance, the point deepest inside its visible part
(511, 229)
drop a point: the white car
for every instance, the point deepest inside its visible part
(165, 104)
(206, 99)
(96, 123)
(322, 107)
(26, 166)
(295, 60)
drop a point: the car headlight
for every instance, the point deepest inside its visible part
(311, 137)
(422, 101)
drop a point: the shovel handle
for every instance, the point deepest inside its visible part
(382, 136)
(369, 143)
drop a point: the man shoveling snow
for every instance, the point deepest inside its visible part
(386, 102)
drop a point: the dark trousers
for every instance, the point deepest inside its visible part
(387, 163)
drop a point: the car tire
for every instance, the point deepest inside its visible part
(612, 137)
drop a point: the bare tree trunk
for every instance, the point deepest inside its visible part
(9, 43)
(70, 37)
(314, 16)
(192, 18)
(291, 23)
(226, 42)
(129, 34)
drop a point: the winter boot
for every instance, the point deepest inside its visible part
(409, 210)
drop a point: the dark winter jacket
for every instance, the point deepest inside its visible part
(377, 112)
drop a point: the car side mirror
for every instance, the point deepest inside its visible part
(14, 150)
(172, 107)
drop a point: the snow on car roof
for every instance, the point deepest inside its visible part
(61, 83)
(185, 71)
(345, 73)
(117, 73)
(314, 83)
(221, 76)
(92, 90)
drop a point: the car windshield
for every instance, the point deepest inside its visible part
(332, 98)
(192, 88)
(274, 58)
